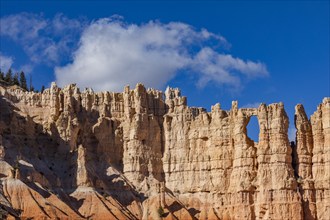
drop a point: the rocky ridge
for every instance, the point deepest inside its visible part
(144, 154)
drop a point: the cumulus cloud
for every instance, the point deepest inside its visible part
(222, 68)
(108, 53)
(112, 54)
(5, 62)
(43, 40)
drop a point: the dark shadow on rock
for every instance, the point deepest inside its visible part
(193, 211)
(28, 140)
(175, 206)
(35, 147)
(123, 198)
(6, 211)
(36, 188)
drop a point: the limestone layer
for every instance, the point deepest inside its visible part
(144, 154)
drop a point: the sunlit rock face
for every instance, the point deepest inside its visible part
(145, 154)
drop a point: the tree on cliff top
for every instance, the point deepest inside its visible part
(9, 77)
(2, 75)
(15, 79)
(22, 79)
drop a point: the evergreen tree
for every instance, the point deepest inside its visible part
(31, 88)
(15, 79)
(2, 75)
(9, 77)
(22, 81)
(42, 88)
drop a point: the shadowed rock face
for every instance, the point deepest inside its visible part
(77, 155)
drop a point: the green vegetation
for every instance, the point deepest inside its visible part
(161, 212)
(15, 80)
(299, 180)
(22, 81)
(9, 77)
(18, 79)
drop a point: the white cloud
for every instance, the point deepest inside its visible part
(27, 68)
(112, 54)
(223, 68)
(252, 105)
(5, 62)
(23, 26)
(43, 40)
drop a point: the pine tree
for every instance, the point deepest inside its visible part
(31, 88)
(42, 88)
(2, 75)
(9, 77)
(15, 79)
(22, 81)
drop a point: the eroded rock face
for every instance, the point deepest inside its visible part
(76, 155)
(320, 121)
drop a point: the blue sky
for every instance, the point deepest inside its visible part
(215, 51)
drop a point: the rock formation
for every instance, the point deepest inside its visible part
(144, 154)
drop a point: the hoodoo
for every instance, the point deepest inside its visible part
(145, 154)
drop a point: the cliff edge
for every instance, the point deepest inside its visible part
(144, 154)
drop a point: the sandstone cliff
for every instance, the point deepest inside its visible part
(144, 154)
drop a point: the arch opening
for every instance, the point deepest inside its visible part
(252, 129)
